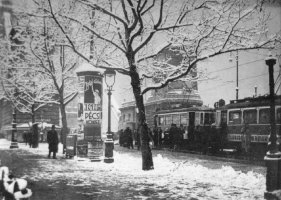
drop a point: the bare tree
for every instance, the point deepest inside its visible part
(128, 34)
(27, 89)
(52, 65)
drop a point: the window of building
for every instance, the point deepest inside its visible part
(264, 116)
(235, 117)
(124, 117)
(129, 117)
(250, 116)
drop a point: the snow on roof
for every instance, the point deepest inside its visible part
(88, 67)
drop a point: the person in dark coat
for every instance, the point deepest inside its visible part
(155, 136)
(25, 137)
(129, 137)
(138, 140)
(166, 137)
(29, 138)
(173, 135)
(160, 137)
(53, 141)
(35, 135)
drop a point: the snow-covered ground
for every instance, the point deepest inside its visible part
(171, 179)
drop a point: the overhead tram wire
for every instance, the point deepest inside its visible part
(235, 66)
(250, 77)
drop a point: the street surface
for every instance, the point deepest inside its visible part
(176, 176)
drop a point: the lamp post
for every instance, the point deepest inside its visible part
(273, 156)
(237, 73)
(108, 153)
(237, 76)
(14, 143)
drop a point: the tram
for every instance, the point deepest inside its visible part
(186, 117)
(196, 122)
(222, 127)
(253, 113)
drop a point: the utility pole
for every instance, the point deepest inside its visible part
(237, 77)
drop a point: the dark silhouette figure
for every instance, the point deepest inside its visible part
(129, 137)
(53, 141)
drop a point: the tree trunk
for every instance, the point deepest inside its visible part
(64, 130)
(147, 162)
(32, 114)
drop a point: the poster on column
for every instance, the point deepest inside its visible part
(92, 107)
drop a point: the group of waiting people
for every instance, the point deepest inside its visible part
(199, 138)
(170, 137)
(31, 137)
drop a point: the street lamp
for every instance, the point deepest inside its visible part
(273, 156)
(109, 80)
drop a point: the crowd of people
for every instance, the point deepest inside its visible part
(200, 138)
(172, 137)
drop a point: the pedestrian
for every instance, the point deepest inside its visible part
(129, 137)
(150, 137)
(160, 136)
(173, 136)
(138, 140)
(53, 141)
(121, 137)
(29, 138)
(245, 138)
(166, 137)
(155, 136)
(25, 137)
(35, 135)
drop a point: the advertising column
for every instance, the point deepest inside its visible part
(90, 114)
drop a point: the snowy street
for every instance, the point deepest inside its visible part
(176, 176)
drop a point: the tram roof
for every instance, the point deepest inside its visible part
(251, 102)
(190, 109)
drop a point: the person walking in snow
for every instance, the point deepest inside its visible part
(53, 141)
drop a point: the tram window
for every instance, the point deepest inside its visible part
(168, 120)
(176, 119)
(235, 117)
(264, 116)
(250, 116)
(184, 119)
(223, 117)
(278, 115)
(161, 120)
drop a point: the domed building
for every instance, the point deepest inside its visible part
(178, 94)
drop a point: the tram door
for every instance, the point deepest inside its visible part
(191, 126)
(191, 118)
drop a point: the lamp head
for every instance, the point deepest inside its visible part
(109, 77)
